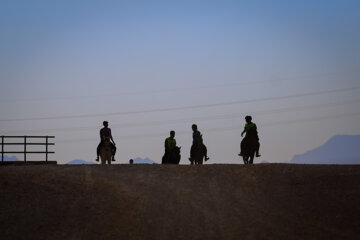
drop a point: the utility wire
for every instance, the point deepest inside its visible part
(205, 118)
(184, 107)
(231, 128)
(170, 90)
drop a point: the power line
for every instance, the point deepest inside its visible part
(170, 90)
(184, 107)
(206, 118)
(231, 128)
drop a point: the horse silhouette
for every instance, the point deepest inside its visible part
(249, 149)
(172, 157)
(106, 152)
(197, 154)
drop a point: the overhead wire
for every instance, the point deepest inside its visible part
(182, 107)
(231, 128)
(204, 118)
(169, 90)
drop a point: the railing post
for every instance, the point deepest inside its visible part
(24, 148)
(2, 148)
(47, 147)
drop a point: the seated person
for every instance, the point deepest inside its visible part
(197, 143)
(105, 132)
(249, 129)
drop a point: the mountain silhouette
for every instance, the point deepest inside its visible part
(340, 149)
(77, 161)
(12, 158)
(143, 161)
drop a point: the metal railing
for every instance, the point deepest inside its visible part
(26, 143)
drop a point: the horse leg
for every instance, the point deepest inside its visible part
(200, 160)
(252, 155)
(245, 158)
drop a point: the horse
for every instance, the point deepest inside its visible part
(106, 152)
(197, 154)
(250, 146)
(172, 157)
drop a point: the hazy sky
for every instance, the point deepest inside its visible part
(149, 67)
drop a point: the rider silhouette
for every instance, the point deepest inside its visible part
(105, 132)
(170, 144)
(250, 128)
(197, 143)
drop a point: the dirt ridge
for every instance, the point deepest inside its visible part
(263, 201)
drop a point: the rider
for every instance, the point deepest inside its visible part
(170, 142)
(197, 142)
(250, 128)
(105, 132)
(170, 145)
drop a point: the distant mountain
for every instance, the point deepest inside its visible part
(74, 162)
(12, 158)
(144, 161)
(340, 149)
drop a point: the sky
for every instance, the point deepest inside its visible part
(149, 67)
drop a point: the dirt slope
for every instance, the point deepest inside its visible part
(266, 201)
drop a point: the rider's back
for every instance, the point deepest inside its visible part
(197, 138)
(251, 131)
(105, 132)
(170, 143)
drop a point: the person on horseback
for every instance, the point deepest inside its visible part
(172, 154)
(197, 143)
(250, 129)
(105, 132)
(170, 142)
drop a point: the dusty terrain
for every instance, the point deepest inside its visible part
(265, 201)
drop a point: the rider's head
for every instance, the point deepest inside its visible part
(194, 127)
(248, 119)
(105, 123)
(172, 133)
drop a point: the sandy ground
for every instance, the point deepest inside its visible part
(265, 201)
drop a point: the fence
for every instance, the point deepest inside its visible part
(26, 143)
